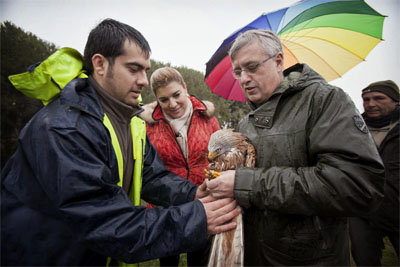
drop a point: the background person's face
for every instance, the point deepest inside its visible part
(126, 78)
(258, 86)
(377, 104)
(173, 99)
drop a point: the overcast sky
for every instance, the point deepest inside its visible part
(188, 32)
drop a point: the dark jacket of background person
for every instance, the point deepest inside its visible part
(64, 176)
(316, 165)
(203, 124)
(386, 217)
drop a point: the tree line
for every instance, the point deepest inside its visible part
(20, 49)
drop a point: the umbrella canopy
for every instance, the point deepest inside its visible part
(331, 36)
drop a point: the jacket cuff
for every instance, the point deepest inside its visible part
(203, 237)
(192, 193)
(242, 189)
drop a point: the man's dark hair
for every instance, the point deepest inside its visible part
(108, 39)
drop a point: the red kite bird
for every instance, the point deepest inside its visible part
(229, 150)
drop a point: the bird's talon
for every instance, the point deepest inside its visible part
(210, 174)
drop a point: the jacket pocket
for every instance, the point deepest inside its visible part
(282, 149)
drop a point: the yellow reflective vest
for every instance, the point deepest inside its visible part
(45, 83)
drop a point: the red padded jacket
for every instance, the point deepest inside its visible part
(203, 124)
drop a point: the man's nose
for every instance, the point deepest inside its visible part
(244, 77)
(371, 103)
(142, 79)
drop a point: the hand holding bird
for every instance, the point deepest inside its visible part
(223, 186)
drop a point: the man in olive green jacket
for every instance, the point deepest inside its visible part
(316, 161)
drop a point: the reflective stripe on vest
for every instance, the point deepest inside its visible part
(117, 148)
(138, 130)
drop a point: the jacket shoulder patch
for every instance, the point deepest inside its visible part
(360, 124)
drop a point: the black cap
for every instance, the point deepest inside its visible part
(387, 87)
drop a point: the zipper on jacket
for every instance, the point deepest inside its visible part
(180, 149)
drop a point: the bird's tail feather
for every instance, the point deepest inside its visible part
(227, 248)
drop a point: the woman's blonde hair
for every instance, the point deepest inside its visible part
(164, 76)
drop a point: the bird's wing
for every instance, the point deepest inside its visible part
(250, 156)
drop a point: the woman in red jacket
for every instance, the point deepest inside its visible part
(180, 126)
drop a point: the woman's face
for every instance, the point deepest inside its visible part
(173, 99)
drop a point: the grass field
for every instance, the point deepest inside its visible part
(389, 254)
(388, 258)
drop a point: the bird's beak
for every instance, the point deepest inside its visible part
(211, 156)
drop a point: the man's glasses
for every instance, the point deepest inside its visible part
(250, 68)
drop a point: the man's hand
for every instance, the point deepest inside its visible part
(219, 214)
(201, 191)
(222, 187)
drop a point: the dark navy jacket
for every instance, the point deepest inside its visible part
(60, 203)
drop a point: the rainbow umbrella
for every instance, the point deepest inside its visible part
(331, 36)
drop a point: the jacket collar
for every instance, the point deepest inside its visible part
(79, 94)
(111, 106)
(296, 78)
(383, 121)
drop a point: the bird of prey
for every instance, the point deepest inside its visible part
(228, 150)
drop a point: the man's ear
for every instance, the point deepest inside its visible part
(279, 61)
(100, 64)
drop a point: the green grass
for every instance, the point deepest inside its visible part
(149, 263)
(389, 257)
(156, 262)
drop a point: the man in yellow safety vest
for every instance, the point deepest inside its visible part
(70, 193)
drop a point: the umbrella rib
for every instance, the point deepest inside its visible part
(305, 47)
(298, 17)
(326, 40)
(288, 50)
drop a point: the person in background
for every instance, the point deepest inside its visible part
(179, 126)
(65, 191)
(381, 114)
(316, 163)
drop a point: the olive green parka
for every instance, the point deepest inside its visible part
(316, 165)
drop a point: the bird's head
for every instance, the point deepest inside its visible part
(213, 155)
(222, 141)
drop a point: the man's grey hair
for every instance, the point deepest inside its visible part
(268, 40)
